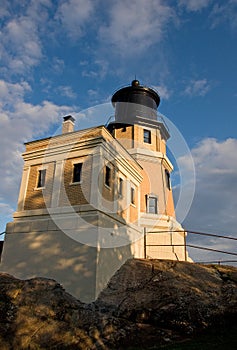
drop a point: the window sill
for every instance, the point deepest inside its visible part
(108, 187)
(152, 214)
(39, 188)
(75, 183)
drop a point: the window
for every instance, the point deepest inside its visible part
(132, 195)
(152, 204)
(120, 187)
(107, 176)
(147, 136)
(77, 172)
(41, 178)
(167, 177)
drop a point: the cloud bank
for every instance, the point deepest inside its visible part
(214, 206)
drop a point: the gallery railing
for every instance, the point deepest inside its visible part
(194, 246)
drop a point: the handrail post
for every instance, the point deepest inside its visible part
(185, 245)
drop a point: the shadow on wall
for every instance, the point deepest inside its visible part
(54, 255)
(82, 270)
(38, 248)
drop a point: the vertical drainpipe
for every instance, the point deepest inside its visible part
(185, 246)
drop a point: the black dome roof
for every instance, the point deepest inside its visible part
(135, 93)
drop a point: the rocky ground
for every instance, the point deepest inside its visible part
(147, 304)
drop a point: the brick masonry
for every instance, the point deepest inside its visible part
(78, 193)
(39, 198)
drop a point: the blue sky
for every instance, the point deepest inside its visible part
(61, 57)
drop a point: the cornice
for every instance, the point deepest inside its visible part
(151, 156)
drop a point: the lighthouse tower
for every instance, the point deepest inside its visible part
(138, 128)
(91, 199)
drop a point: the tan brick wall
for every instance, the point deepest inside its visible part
(121, 200)
(39, 198)
(137, 134)
(37, 145)
(108, 193)
(125, 136)
(134, 208)
(139, 138)
(152, 183)
(64, 139)
(123, 207)
(170, 204)
(122, 211)
(75, 194)
(163, 146)
(145, 189)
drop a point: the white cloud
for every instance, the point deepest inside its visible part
(21, 34)
(67, 92)
(20, 45)
(198, 87)
(20, 122)
(92, 93)
(10, 93)
(194, 5)
(6, 212)
(74, 14)
(37, 10)
(215, 201)
(98, 69)
(163, 91)
(226, 12)
(58, 65)
(134, 25)
(4, 8)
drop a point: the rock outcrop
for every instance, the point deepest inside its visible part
(146, 302)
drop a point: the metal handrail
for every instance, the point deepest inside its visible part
(185, 245)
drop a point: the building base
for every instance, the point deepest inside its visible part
(78, 252)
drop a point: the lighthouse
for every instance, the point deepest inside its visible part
(91, 199)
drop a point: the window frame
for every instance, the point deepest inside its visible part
(120, 186)
(74, 180)
(132, 195)
(150, 197)
(107, 176)
(167, 179)
(147, 136)
(41, 180)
